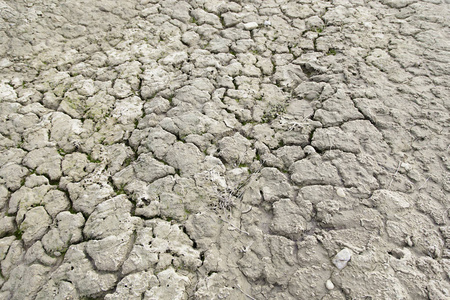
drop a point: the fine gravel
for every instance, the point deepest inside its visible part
(212, 149)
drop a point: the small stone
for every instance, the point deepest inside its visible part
(406, 166)
(329, 284)
(340, 192)
(250, 25)
(342, 258)
(35, 225)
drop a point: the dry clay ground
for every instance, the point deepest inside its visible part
(205, 149)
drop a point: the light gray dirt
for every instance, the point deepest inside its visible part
(198, 149)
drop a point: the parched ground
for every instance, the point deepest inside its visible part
(254, 149)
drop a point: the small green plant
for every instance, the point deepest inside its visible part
(18, 234)
(121, 190)
(331, 51)
(127, 161)
(96, 161)
(61, 152)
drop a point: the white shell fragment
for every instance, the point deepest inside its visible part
(250, 25)
(340, 192)
(342, 258)
(329, 284)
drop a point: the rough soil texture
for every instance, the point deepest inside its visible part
(254, 149)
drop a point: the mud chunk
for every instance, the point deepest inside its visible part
(35, 224)
(85, 197)
(109, 253)
(250, 26)
(389, 203)
(338, 109)
(65, 131)
(24, 281)
(7, 226)
(111, 217)
(3, 196)
(149, 169)
(159, 141)
(153, 81)
(288, 219)
(66, 230)
(314, 171)
(185, 157)
(308, 282)
(24, 199)
(353, 173)
(171, 286)
(35, 181)
(274, 185)
(203, 228)
(335, 138)
(77, 268)
(73, 165)
(13, 257)
(7, 92)
(36, 254)
(250, 264)
(236, 150)
(133, 286)
(290, 154)
(12, 174)
(57, 290)
(45, 161)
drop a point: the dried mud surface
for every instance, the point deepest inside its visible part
(224, 149)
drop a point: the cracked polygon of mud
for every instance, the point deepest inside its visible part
(154, 149)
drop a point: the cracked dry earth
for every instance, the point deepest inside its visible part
(224, 149)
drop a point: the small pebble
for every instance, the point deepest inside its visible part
(340, 192)
(406, 166)
(342, 258)
(250, 25)
(329, 284)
